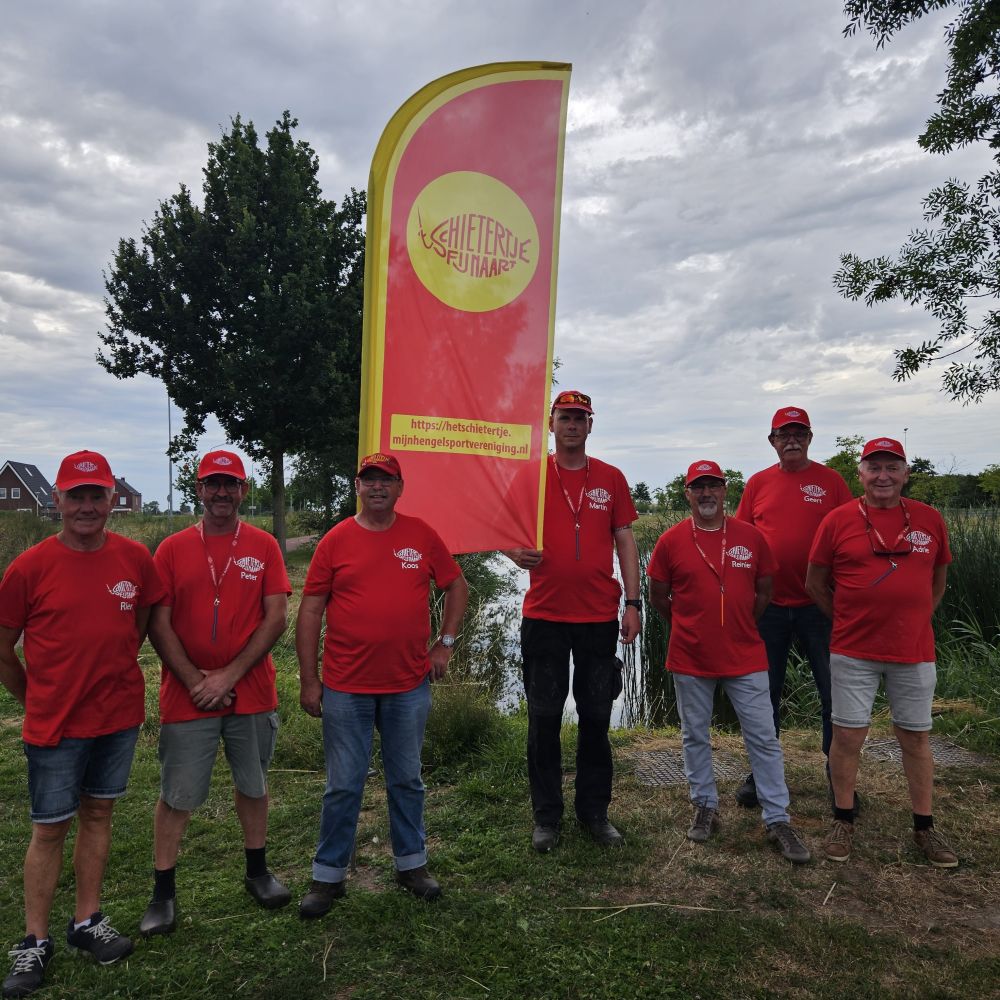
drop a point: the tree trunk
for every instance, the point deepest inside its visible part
(278, 496)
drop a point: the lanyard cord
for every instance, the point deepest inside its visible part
(217, 581)
(575, 511)
(863, 507)
(720, 574)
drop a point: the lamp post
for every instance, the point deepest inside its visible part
(905, 429)
(170, 466)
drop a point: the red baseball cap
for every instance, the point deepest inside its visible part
(890, 445)
(572, 399)
(222, 463)
(703, 467)
(380, 460)
(84, 468)
(790, 415)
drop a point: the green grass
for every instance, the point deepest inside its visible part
(728, 919)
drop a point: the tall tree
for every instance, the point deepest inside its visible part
(846, 460)
(249, 307)
(951, 267)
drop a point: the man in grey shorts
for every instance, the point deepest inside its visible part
(226, 606)
(878, 568)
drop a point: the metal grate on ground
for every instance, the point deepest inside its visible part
(944, 752)
(666, 767)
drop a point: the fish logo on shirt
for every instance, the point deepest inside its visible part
(919, 540)
(813, 493)
(126, 591)
(599, 498)
(408, 558)
(249, 567)
(740, 556)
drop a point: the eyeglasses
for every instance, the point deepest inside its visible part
(787, 435)
(710, 488)
(225, 483)
(370, 481)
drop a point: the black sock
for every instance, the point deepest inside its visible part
(844, 815)
(256, 861)
(922, 822)
(164, 886)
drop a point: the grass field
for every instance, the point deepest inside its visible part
(661, 918)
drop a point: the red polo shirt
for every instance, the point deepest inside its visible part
(880, 613)
(564, 588)
(711, 636)
(81, 643)
(787, 508)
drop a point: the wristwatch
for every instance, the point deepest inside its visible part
(447, 641)
(634, 602)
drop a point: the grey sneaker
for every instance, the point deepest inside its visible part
(936, 849)
(28, 970)
(704, 824)
(791, 845)
(839, 841)
(98, 938)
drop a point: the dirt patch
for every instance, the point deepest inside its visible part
(886, 886)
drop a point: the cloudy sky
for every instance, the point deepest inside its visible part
(719, 157)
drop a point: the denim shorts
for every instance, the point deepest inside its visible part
(97, 767)
(909, 689)
(188, 751)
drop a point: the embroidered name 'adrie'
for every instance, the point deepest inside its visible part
(408, 558)
(920, 540)
(740, 556)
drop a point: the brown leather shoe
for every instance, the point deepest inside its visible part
(419, 882)
(320, 897)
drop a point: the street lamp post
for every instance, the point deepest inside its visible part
(905, 429)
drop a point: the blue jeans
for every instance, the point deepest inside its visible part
(97, 767)
(349, 722)
(779, 627)
(749, 696)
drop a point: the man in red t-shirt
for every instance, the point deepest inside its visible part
(878, 569)
(371, 577)
(572, 607)
(710, 579)
(226, 606)
(82, 600)
(786, 504)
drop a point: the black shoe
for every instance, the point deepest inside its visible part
(160, 918)
(603, 833)
(746, 794)
(855, 808)
(320, 897)
(419, 882)
(28, 970)
(544, 838)
(268, 891)
(98, 938)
